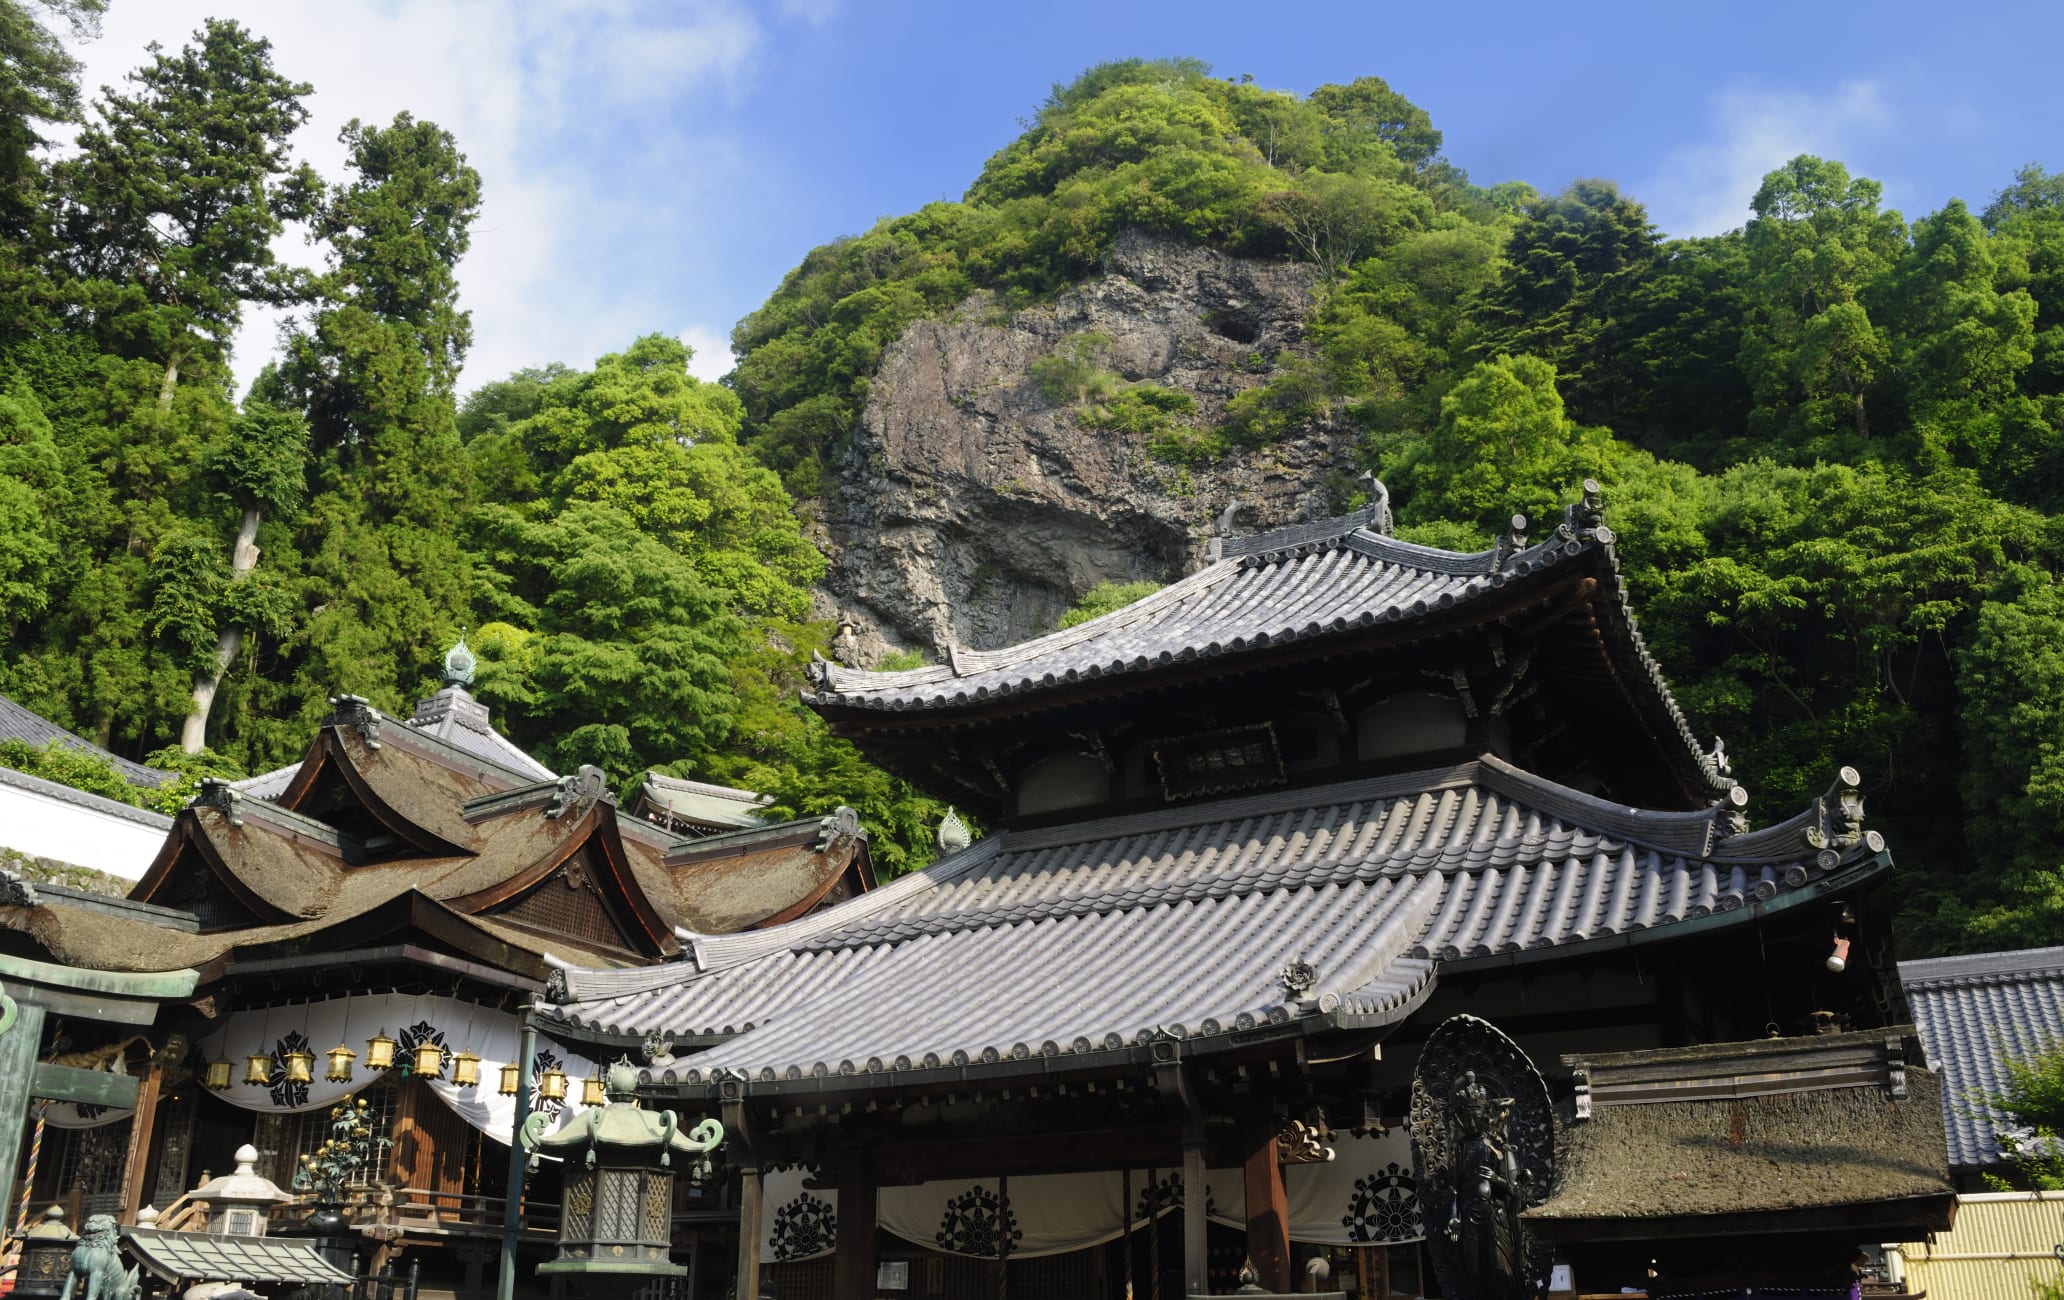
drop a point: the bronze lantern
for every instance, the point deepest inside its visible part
(216, 1075)
(592, 1092)
(46, 1255)
(465, 1070)
(258, 1070)
(300, 1065)
(429, 1059)
(379, 1052)
(617, 1215)
(340, 1059)
(551, 1085)
(512, 1076)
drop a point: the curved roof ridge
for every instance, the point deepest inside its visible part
(1988, 967)
(846, 680)
(1688, 833)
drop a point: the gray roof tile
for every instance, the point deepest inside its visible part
(1089, 931)
(18, 723)
(1975, 1013)
(1304, 583)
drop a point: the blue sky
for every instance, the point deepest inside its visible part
(659, 164)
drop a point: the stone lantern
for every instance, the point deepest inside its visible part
(240, 1203)
(617, 1216)
(46, 1257)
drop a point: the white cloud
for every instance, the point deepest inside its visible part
(713, 356)
(545, 100)
(1705, 188)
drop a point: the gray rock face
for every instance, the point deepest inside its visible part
(970, 510)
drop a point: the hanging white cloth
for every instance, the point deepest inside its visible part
(64, 1114)
(456, 1026)
(1366, 1195)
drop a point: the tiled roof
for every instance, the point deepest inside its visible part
(1974, 1014)
(701, 803)
(1083, 939)
(18, 723)
(216, 1257)
(456, 718)
(84, 799)
(1328, 579)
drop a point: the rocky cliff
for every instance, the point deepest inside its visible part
(970, 509)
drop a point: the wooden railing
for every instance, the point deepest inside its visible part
(458, 1214)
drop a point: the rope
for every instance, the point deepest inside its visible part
(21, 1221)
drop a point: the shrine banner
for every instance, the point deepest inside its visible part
(316, 1027)
(64, 1114)
(1365, 1196)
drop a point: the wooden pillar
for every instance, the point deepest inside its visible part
(1268, 1210)
(749, 1201)
(18, 1046)
(141, 1127)
(853, 1262)
(1196, 1199)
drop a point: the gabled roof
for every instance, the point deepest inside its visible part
(767, 875)
(674, 800)
(1327, 585)
(458, 723)
(1082, 940)
(18, 723)
(1974, 1014)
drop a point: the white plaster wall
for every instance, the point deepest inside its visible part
(43, 827)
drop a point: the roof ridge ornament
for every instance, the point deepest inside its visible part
(579, 792)
(1837, 820)
(1380, 520)
(460, 663)
(220, 795)
(953, 832)
(1510, 543)
(1586, 514)
(1221, 529)
(355, 711)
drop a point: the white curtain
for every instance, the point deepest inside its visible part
(63, 1114)
(316, 1027)
(1364, 1196)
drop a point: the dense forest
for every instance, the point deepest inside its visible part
(1832, 440)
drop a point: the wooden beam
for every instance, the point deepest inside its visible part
(1195, 1224)
(853, 1271)
(1268, 1209)
(84, 1087)
(751, 1209)
(141, 1129)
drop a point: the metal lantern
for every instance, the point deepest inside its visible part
(617, 1214)
(258, 1069)
(340, 1058)
(465, 1070)
(379, 1052)
(512, 1078)
(217, 1075)
(592, 1092)
(46, 1255)
(429, 1059)
(551, 1084)
(300, 1065)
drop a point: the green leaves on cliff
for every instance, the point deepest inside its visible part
(1338, 176)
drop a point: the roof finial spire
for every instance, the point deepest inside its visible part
(459, 663)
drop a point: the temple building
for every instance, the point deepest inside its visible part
(1357, 914)
(363, 926)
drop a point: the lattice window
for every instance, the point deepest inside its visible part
(580, 1205)
(569, 903)
(619, 1208)
(659, 1206)
(315, 1128)
(801, 1279)
(1054, 1277)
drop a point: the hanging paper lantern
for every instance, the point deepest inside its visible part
(465, 1070)
(340, 1058)
(218, 1075)
(258, 1069)
(300, 1065)
(512, 1076)
(379, 1052)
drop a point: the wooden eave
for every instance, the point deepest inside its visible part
(410, 912)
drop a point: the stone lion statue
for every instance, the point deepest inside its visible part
(97, 1264)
